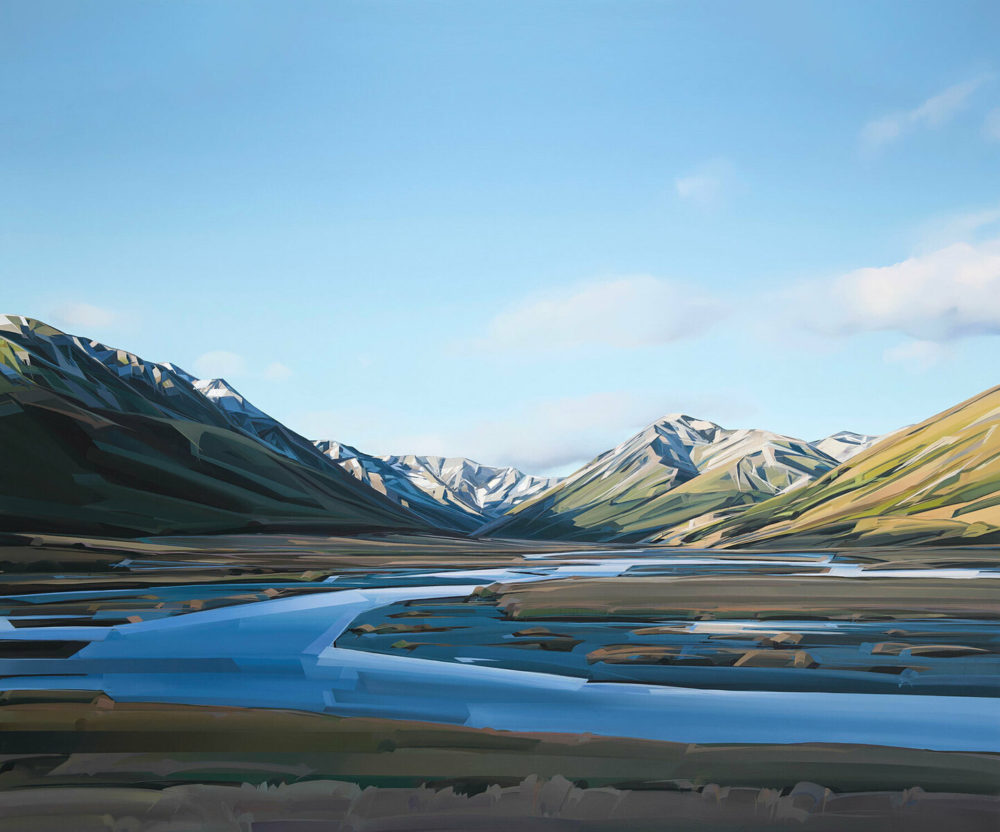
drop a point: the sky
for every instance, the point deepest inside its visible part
(517, 231)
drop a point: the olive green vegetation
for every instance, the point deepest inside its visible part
(165, 742)
(724, 490)
(63, 559)
(633, 492)
(96, 441)
(935, 483)
(82, 761)
(758, 597)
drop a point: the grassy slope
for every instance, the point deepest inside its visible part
(136, 450)
(628, 505)
(936, 482)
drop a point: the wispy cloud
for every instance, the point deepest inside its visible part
(936, 111)
(539, 437)
(84, 316)
(276, 371)
(945, 295)
(917, 355)
(626, 312)
(232, 365)
(706, 185)
(220, 364)
(992, 125)
(965, 227)
(552, 434)
(568, 432)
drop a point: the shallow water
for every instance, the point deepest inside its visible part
(280, 653)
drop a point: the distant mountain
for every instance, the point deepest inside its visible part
(935, 482)
(95, 440)
(491, 490)
(451, 492)
(428, 498)
(844, 444)
(678, 472)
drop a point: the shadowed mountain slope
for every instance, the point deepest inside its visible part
(490, 490)
(424, 496)
(96, 440)
(451, 492)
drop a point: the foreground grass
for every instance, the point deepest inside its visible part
(94, 764)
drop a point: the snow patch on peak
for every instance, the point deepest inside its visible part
(456, 487)
(844, 444)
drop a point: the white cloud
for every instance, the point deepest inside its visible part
(934, 112)
(944, 295)
(554, 433)
(539, 437)
(992, 125)
(705, 186)
(970, 226)
(276, 371)
(917, 355)
(622, 312)
(231, 365)
(570, 431)
(220, 364)
(84, 315)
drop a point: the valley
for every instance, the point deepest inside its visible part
(386, 662)
(699, 620)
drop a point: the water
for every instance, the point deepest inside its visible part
(280, 654)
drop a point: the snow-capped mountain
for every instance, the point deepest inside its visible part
(414, 489)
(491, 490)
(254, 422)
(141, 446)
(454, 492)
(673, 472)
(844, 444)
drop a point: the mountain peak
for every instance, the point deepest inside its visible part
(226, 396)
(690, 426)
(13, 323)
(913, 485)
(844, 444)
(685, 419)
(676, 470)
(159, 451)
(452, 491)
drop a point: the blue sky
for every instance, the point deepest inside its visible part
(514, 230)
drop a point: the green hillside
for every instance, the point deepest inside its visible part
(677, 469)
(97, 441)
(934, 483)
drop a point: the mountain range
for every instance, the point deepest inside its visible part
(96, 440)
(679, 471)
(937, 482)
(453, 492)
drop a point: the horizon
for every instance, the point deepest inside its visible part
(673, 416)
(386, 226)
